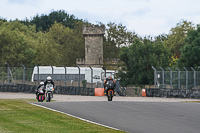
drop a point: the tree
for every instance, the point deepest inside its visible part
(74, 46)
(17, 43)
(176, 37)
(120, 35)
(2, 19)
(138, 60)
(60, 46)
(116, 36)
(44, 22)
(190, 53)
(110, 49)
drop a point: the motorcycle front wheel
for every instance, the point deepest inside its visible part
(48, 97)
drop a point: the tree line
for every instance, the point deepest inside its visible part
(56, 39)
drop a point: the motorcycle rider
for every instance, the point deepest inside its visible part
(105, 81)
(49, 80)
(40, 85)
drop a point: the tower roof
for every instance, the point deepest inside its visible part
(94, 30)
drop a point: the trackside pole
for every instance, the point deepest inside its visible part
(91, 76)
(154, 76)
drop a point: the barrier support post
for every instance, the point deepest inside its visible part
(91, 76)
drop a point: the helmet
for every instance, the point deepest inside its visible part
(48, 78)
(109, 77)
(41, 83)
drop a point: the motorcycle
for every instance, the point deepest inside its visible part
(110, 90)
(40, 94)
(49, 92)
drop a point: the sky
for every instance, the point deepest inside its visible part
(145, 17)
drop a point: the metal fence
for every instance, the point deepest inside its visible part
(23, 75)
(182, 82)
(21, 79)
(16, 75)
(178, 79)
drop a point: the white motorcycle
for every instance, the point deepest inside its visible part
(49, 92)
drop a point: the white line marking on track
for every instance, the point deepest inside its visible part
(76, 117)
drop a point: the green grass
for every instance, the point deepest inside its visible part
(18, 116)
(192, 101)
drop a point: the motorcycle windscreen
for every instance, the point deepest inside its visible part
(110, 84)
(49, 87)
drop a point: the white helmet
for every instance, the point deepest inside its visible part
(41, 83)
(48, 78)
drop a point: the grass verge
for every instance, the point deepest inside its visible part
(18, 116)
(192, 101)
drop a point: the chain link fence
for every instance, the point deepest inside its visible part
(22, 79)
(16, 75)
(183, 83)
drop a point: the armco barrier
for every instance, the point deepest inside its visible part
(71, 90)
(68, 90)
(173, 93)
(17, 88)
(87, 91)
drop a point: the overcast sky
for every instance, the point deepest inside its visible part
(145, 17)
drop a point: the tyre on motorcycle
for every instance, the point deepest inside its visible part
(110, 95)
(40, 98)
(48, 97)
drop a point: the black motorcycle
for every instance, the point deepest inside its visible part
(40, 94)
(110, 90)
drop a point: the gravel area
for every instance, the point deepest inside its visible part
(64, 98)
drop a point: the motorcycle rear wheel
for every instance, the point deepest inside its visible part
(110, 96)
(39, 98)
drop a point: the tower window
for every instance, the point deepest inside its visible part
(87, 46)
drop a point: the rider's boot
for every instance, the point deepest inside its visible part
(105, 92)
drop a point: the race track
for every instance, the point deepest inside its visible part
(136, 117)
(131, 114)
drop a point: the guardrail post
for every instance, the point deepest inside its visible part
(24, 68)
(104, 72)
(91, 76)
(79, 73)
(8, 72)
(65, 76)
(102, 84)
(154, 76)
(194, 77)
(38, 78)
(52, 72)
(186, 77)
(170, 77)
(163, 77)
(179, 76)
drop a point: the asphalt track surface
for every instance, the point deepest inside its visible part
(134, 116)
(131, 114)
